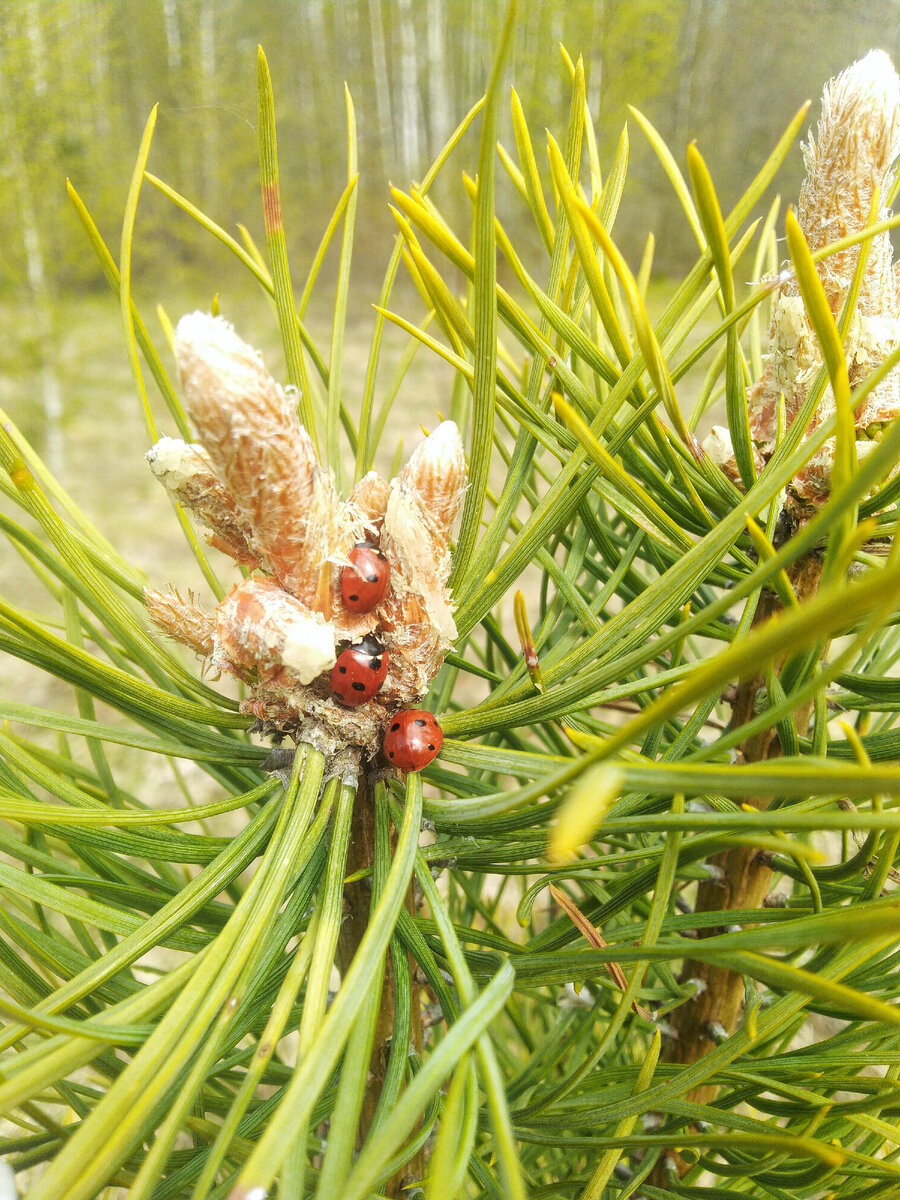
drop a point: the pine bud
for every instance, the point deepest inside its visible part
(261, 626)
(184, 620)
(186, 472)
(417, 615)
(852, 156)
(257, 445)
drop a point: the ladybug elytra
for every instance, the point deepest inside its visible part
(365, 581)
(359, 672)
(412, 740)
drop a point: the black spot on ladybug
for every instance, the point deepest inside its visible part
(343, 670)
(353, 597)
(375, 664)
(394, 727)
(419, 721)
(371, 579)
(430, 747)
(358, 687)
(391, 755)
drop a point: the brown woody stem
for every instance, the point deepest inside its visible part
(739, 879)
(357, 906)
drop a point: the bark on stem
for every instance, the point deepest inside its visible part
(741, 878)
(357, 905)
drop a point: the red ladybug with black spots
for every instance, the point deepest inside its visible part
(365, 581)
(359, 672)
(412, 740)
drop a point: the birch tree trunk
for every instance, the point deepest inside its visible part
(173, 35)
(209, 89)
(39, 314)
(382, 87)
(439, 117)
(410, 115)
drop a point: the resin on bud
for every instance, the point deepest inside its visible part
(259, 625)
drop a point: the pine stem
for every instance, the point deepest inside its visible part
(357, 901)
(739, 879)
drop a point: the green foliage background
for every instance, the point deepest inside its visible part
(78, 79)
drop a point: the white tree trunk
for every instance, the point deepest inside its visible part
(94, 45)
(439, 115)
(51, 391)
(38, 50)
(382, 87)
(209, 90)
(313, 36)
(41, 316)
(173, 35)
(691, 23)
(410, 116)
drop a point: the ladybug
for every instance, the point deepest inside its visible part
(412, 740)
(365, 581)
(359, 672)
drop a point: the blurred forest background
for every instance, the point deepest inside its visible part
(79, 77)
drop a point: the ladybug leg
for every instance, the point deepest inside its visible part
(380, 774)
